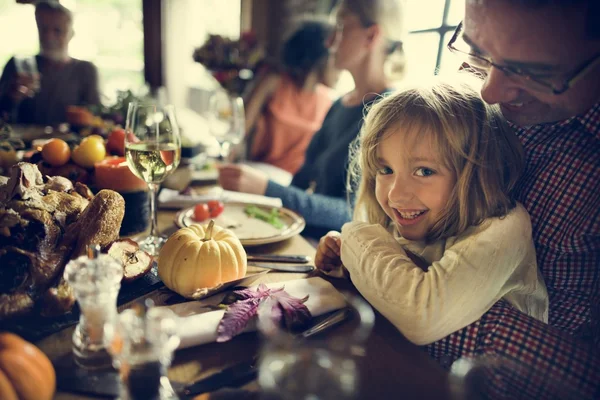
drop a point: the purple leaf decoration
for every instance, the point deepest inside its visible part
(295, 313)
(236, 318)
(278, 303)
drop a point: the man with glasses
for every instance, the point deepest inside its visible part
(540, 61)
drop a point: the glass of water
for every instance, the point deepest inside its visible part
(323, 368)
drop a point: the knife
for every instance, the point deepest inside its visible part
(284, 267)
(280, 258)
(246, 371)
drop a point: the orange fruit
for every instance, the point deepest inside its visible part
(56, 152)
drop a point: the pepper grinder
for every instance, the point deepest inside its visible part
(144, 339)
(96, 280)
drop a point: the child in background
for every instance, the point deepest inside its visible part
(444, 238)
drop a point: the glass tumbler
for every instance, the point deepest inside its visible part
(143, 340)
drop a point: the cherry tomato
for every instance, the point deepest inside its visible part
(116, 142)
(201, 212)
(215, 207)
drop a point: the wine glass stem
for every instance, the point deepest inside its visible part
(153, 209)
(225, 149)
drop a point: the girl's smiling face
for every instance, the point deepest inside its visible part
(412, 183)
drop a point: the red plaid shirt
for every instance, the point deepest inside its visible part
(561, 190)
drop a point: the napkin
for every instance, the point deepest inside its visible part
(197, 329)
(172, 199)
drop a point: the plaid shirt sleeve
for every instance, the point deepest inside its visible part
(561, 191)
(553, 364)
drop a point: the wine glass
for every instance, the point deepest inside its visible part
(324, 368)
(27, 66)
(153, 151)
(226, 121)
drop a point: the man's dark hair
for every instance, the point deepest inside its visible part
(305, 48)
(592, 26)
(54, 6)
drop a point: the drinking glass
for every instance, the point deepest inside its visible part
(295, 369)
(226, 119)
(141, 342)
(27, 66)
(153, 151)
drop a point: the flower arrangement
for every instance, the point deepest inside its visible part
(231, 62)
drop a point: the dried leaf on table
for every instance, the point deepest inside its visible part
(281, 307)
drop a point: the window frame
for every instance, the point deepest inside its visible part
(441, 30)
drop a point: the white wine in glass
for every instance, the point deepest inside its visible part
(153, 152)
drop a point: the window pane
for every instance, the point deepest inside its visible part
(421, 54)
(424, 14)
(187, 24)
(456, 12)
(111, 35)
(17, 30)
(449, 62)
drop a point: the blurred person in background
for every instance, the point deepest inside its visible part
(367, 42)
(290, 101)
(62, 80)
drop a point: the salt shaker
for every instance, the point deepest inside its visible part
(96, 280)
(143, 341)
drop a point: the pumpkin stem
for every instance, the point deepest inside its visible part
(209, 230)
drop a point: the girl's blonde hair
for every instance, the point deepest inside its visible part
(389, 16)
(472, 138)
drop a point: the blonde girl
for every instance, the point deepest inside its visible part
(437, 236)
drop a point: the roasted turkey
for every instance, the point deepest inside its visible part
(43, 224)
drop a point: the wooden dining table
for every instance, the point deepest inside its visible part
(391, 367)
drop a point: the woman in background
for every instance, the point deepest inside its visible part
(367, 42)
(289, 103)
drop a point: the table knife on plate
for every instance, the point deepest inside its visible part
(279, 258)
(246, 371)
(284, 267)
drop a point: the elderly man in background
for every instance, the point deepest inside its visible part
(541, 63)
(62, 80)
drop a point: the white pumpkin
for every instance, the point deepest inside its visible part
(201, 256)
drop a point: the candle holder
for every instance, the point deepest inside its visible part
(96, 280)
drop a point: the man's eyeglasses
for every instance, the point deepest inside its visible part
(543, 82)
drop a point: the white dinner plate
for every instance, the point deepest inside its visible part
(251, 231)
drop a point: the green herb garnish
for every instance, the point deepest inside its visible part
(269, 217)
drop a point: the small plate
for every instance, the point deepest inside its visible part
(250, 231)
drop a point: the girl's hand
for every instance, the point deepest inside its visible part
(328, 253)
(242, 178)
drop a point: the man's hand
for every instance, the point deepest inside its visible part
(24, 85)
(328, 253)
(242, 178)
